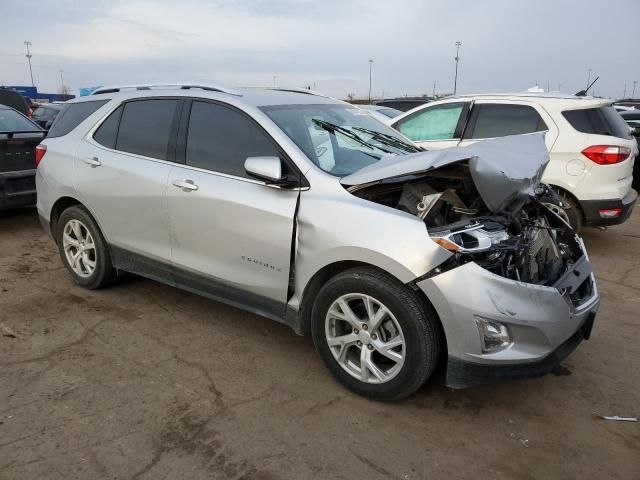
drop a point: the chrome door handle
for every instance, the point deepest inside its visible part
(93, 161)
(185, 185)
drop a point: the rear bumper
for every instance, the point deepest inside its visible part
(591, 209)
(17, 189)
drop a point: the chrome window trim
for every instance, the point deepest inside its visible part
(89, 138)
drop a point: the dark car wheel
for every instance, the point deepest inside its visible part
(374, 334)
(83, 249)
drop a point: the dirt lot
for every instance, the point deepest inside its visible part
(145, 381)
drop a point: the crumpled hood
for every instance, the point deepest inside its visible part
(503, 169)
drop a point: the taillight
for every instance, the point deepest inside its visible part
(40, 151)
(606, 154)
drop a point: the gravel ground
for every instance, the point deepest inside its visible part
(143, 381)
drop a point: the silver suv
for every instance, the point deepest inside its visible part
(309, 211)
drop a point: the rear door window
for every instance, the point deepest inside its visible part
(432, 123)
(73, 115)
(500, 120)
(598, 121)
(146, 127)
(220, 139)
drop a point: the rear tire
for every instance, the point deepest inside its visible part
(571, 212)
(374, 334)
(83, 249)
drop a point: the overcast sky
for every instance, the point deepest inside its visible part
(506, 45)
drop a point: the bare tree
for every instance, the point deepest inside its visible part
(65, 91)
(351, 96)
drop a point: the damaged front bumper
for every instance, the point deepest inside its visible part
(544, 323)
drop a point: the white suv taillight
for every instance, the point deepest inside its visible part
(606, 154)
(40, 151)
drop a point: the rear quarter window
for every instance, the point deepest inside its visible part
(598, 121)
(73, 115)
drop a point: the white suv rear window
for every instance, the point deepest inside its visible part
(598, 121)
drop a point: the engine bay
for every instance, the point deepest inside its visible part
(526, 241)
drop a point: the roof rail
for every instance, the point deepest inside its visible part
(180, 86)
(306, 91)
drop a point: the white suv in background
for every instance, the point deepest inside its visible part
(591, 148)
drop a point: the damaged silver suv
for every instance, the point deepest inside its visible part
(308, 211)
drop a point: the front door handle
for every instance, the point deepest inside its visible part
(93, 161)
(185, 185)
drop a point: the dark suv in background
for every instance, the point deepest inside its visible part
(19, 137)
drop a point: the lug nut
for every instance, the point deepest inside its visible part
(364, 326)
(356, 331)
(359, 343)
(374, 336)
(370, 347)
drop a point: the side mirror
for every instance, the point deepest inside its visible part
(265, 168)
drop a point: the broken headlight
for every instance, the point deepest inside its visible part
(474, 238)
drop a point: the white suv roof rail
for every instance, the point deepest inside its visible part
(180, 86)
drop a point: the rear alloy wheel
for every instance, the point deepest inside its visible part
(79, 248)
(83, 249)
(375, 335)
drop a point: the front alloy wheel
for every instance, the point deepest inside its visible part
(365, 338)
(378, 337)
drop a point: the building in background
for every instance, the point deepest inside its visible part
(33, 94)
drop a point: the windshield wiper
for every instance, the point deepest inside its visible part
(389, 140)
(330, 127)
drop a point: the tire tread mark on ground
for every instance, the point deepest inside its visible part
(374, 466)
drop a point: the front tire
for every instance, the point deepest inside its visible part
(374, 334)
(83, 249)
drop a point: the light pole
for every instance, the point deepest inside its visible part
(457, 59)
(370, 68)
(633, 94)
(28, 44)
(624, 93)
(588, 78)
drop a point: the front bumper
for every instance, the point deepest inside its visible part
(544, 324)
(591, 209)
(17, 189)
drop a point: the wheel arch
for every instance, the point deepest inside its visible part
(563, 192)
(331, 270)
(60, 206)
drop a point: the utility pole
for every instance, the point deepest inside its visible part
(559, 87)
(28, 44)
(274, 80)
(434, 89)
(457, 59)
(370, 68)
(589, 78)
(548, 87)
(633, 95)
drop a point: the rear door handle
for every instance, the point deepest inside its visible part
(185, 185)
(93, 161)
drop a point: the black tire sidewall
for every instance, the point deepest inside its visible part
(104, 271)
(420, 332)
